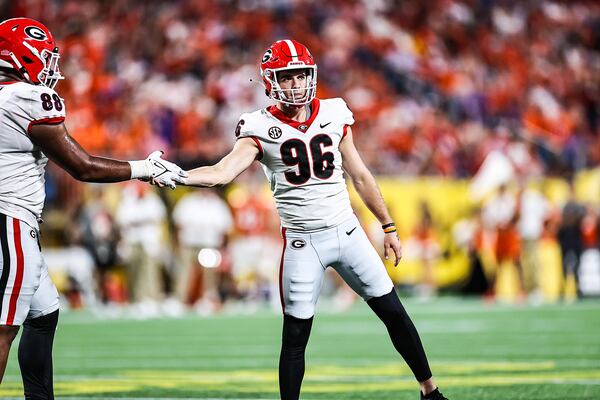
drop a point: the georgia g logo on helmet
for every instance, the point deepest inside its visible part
(35, 33)
(29, 48)
(267, 56)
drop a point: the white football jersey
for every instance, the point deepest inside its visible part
(22, 164)
(303, 163)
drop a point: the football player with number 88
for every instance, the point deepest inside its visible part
(32, 131)
(305, 145)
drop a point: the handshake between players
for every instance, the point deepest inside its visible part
(306, 149)
(157, 171)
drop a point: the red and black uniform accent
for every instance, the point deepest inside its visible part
(46, 121)
(5, 259)
(7, 265)
(315, 106)
(281, 270)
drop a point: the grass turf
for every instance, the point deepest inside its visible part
(477, 351)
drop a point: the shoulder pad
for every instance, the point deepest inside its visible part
(40, 103)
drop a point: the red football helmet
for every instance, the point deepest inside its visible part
(287, 55)
(28, 47)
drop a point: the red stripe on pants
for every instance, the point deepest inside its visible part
(281, 270)
(12, 307)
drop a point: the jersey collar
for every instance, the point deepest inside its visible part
(301, 126)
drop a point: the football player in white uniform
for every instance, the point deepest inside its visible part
(305, 145)
(31, 131)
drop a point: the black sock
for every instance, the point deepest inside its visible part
(291, 361)
(402, 332)
(435, 393)
(35, 356)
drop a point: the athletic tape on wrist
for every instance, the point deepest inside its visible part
(139, 169)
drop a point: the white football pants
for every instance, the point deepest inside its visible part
(26, 290)
(345, 248)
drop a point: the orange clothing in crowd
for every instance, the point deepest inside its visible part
(251, 216)
(589, 231)
(508, 244)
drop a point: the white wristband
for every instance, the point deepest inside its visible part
(139, 169)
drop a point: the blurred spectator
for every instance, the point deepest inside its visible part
(470, 235)
(72, 268)
(570, 238)
(533, 212)
(589, 271)
(203, 222)
(500, 216)
(93, 227)
(256, 245)
(140, 216)
(590, 228)
(425, 243)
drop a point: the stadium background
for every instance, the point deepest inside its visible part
(480, 119)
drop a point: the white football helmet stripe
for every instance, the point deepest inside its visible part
(293, 50)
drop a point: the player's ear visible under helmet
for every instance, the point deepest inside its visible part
(285, 55)
(28, 47)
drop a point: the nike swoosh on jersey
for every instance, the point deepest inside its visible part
(350, 231)
(324, 125)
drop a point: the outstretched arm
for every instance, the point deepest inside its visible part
(60, 147)
(369, 192)
(243, 154)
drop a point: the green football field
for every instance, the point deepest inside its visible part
(477, 351)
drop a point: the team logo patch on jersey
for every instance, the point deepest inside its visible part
(35, 33)
(298, 244)
(275, 132)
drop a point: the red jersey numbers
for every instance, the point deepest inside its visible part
(295, 153)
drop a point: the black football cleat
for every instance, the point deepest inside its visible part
(435, 395)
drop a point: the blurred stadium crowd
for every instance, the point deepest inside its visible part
(436, 87)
